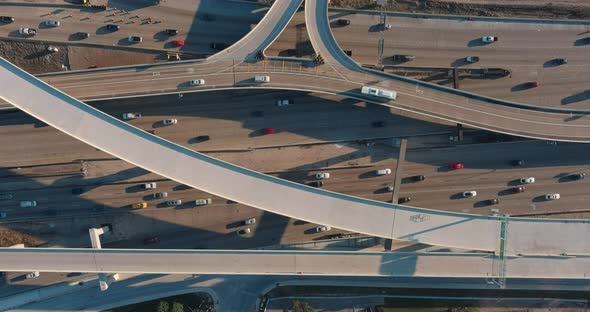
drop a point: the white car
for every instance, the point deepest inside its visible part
(197, 82)
(250, 221)
(284, 102)
(168, 122)
(32, 275)
(468, 194)
(149, 186)
(204, 201)
(529, 180)
(262, 79)
(27, 31)
(52, 23)
(489, 38)
(52, 49)
(322, 228)
(383, 171)
(243, 231)
(28, 203)
(322, 175)
(552, 196)
(174, 202)
(130, 116)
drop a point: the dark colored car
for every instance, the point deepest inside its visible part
(316, 183)
(578, 176)
(6, 19)
(151, 240)
(403, 200)
(171, 32)
(560, 61)
(343, 22)
(113, 27)
(82, 35)
(379, 124)
(77, 191)
(518, 189)
(517, 163)
(418, 178)
(348, 52)
(493, 201)
(403, 57)
(202, 138)
(218, 46)
(267, 130)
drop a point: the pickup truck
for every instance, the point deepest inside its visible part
(489, 39)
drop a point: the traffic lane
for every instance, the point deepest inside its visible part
(191, 28)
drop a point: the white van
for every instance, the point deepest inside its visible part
(383, 171)
(261, 78)
(379, 92)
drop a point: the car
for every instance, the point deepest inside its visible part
(383, 171)
(488, 39)
(472, 59)
(204, 201)
(148, 186)
(32, 275)
(529, 180)
(347, 52)
(130, 116)
(173, 56)
(25, 31)
(456, 166)
(560, 61)
(160, 195)
(385, 26)
(250, 221)
(267, 130)
(518, 189)
(201, 138)
(379, 124)
(174, 202)
(168, 122)
(284, 102)
(151, 240)
(322, 175)
(113, 27)
(553, 196)
(261, 78)
(78, 191)
(316, 183)
(196, 82)
(323, 228)
(82, 35)
(493, 201)
(533, 84)
(343, 22)
(218, 46)
(403, 57)
(3, 215)
(52, 23)
(134, 39)
(244, 231)
(171, 32)
(6, 19)
(517, 163)
(139, 205)
(468, 194)
(418, 178)
(52, 49)
(178, 43)
(578, 176)
(403, 200)
(6, 196)
(28, 203)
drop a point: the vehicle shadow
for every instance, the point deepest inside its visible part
(578, 97)
(573, 117)
(505, 192)
(481, 204)
(551, 63)
(37, 54)
(234, 225)
(539, 199)
(456, 196)
(368, 175)
(582, 42)
(161, 36)
(383, 190)
(181, 187)
(459, 62)
(520, 87)
(134, 189)
(477, 43)
(125, 42)
(514, 182)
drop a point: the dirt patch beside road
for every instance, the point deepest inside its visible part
(9, 237)
(568, 9)
(34, 57)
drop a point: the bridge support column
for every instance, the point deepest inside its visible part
(103, 279)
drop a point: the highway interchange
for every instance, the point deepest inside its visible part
(498, 173)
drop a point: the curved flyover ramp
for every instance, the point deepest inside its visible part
(275, 195)
(445, 103)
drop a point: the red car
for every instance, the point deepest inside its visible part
(178, 43)
(533, 84)
(267, 130)
(456, 166)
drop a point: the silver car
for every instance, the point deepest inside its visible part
(174, 202)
